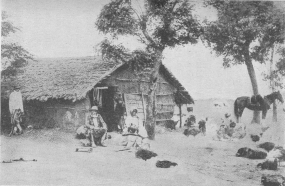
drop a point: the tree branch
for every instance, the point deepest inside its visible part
(143, 29)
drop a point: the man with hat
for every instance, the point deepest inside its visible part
(16, 107)
(97, 132)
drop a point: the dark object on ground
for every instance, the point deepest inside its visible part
(251, 154)
(191, 131)
(170, 124)
(109, 136)
(165, 164)
(84, 149)
(268, 146)
(20, 159)
(269, 164)
(254, 138)
(202, 126)
(145, 154)
(273, 180)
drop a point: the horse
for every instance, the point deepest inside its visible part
(256, 103)
(16, 119)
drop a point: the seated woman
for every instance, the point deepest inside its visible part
(97, 128)
(134, 130)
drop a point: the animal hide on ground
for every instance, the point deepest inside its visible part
(268, 146)
(251, 154)
(145, 154)
(191, 131)
(269, 165)
(165, 164)
(273, 180)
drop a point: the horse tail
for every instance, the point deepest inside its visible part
(236, 109)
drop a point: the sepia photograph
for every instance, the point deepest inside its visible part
(142, 92)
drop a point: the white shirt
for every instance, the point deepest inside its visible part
(15, 101)
(132, 121)
(136, 123)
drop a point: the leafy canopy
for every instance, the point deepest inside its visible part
(13, 56)
(278, 75)
(244, 29)
(157, 24)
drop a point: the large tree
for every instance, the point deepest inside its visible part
(157, 24)
(244, 32)
(13, 55)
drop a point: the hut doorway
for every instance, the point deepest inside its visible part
(103, 97)
(107, 107)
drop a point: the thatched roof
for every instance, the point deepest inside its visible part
(68, 78)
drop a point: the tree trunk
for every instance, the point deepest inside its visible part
(251, 72)
(151, 101)
(274, 118)
(180, 115)
(272, 84)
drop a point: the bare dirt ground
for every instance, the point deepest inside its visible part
(201, 161)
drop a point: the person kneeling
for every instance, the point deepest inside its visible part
(97, 128)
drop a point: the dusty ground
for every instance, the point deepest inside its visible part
(201, 161)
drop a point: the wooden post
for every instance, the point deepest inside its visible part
(143, 104)
(180, 115)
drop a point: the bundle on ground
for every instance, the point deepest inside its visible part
(145, 154)
(165, 164)
(269, 164)
(268, 146)
(251, 154)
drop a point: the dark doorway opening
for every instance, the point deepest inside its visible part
(107, 109)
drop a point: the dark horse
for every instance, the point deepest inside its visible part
(256, 103)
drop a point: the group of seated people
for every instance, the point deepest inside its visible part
(95, 129)
(230, 130)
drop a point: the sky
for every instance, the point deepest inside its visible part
(66, 28)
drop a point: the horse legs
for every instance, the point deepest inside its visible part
(239, 115)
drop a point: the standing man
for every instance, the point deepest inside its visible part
(120, 110)
(97, 128)
(16, 108)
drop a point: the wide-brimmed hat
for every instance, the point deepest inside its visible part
(94, 108)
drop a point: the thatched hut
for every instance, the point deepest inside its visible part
(61, 91)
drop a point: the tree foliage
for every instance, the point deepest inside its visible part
(157, 24)
(278, 75)
(13, 55)
(244, 27)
